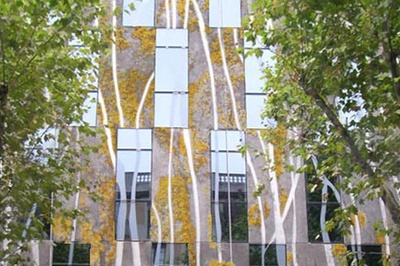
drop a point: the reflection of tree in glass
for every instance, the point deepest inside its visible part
(61, 254)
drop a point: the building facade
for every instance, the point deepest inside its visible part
(185, 171)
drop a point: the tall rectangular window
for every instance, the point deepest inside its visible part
(322, 200)
(267, 255)
(228, 183)
(171, 78)
(133, 199)
(138, 13)
(224, 14)
(90, 78)
(255, 83)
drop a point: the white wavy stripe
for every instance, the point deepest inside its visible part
(188, 144)
(167, 14)
(204, 40)
(170, 207)
(135, 245)
(236, 40)
(35, 251)
(186, 21)
(143, 99)
(260, 204)
(385, 224)
(114, 67)
(294, 180)
(119, 253)
(228, 78)
(159, 232)
(174, 16)
(107, 129)
(279, 233)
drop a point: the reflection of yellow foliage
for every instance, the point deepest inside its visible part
(147, 39)
(283, 196)
(184, 230)
(254, 218)
(222, 263)
(121, 42)
(289, 258)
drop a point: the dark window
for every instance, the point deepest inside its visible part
(71, 254)
(322, 200)
(267, 255)
(169, 254)
(370, 255)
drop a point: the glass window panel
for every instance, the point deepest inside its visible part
(90, 105)
(143, 181)
(172, 38)
(133, 161)
(171, 110)
(254, 107)
(161, 254)
(254, 71)
(233, 163)
(81, 254)
(142, 15)
(134, 138)
(239, 227)
(171, 69)
(224, 13)
(370, 255)
(48, 138)
(314, 222)
(268, 255)
(226, 140)
(133, 220)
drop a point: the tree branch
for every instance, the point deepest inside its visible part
(387, 194)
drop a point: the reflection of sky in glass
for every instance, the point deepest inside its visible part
(228, 163)
(90, 104)
(171, 69)
(127, 162)
(49, 142)
(231, 139)
(171, 110)
(224, 13)
(254, 71)
(129, 138)
(172, 38)
(142, 15)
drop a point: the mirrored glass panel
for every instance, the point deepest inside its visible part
(224, 13)
(90, 106)
(171, 72)
(171, 110)
(136, 139)
(254, 71)
(169, 254)
(133, 220)
(172, 38)
(267, 255)
(71, 254)
(138, 13)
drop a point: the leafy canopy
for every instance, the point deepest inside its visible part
(336, 88)
(43, 85)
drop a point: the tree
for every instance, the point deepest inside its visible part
(336, 85)
(43, 85)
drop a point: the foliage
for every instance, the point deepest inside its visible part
(43, 85)
(336, 88)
